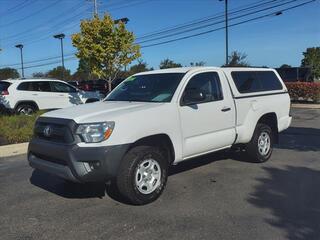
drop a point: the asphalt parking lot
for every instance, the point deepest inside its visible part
(211, 197)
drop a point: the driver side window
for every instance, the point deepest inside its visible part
(206, 85)
(61, 87)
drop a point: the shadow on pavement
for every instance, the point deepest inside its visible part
(72, 190)
(300, 139)
(293, 197)
(66, 189)
(295, 138)
(200, 161)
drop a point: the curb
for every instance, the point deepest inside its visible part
(305, 106)
(13, 149)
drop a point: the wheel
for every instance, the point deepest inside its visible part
(142, 175)
(259, 149)
(26, 109)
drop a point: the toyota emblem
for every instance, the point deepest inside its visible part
(47, 131)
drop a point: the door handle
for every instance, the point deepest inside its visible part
(225, 109)
(61, 95)
(34, 94)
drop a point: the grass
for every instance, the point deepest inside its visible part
(17, 128)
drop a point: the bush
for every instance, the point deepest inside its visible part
(306, 91)
(16, 128)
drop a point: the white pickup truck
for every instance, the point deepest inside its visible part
(158, 118)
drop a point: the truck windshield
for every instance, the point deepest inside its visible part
(147, 88)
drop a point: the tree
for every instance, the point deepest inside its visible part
(57, 73)
(6, 73)
(39, 75)
(237, 59)
(106, 46)
(197, 64)
(312, 59)
(141, 66)
(167, 63)
(285, 66)
(83, 72)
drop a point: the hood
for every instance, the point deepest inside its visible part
(100, 111)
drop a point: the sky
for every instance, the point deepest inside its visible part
(270, 41)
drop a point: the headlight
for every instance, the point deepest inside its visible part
(95, 132)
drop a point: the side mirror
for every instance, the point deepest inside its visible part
(193, 96)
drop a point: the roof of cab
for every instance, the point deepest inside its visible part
(187, 69)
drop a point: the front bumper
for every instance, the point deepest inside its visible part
(74, 163)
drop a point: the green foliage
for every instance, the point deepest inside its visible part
(6, 73)
(39, 75)
(167, 63)
(312, 59)
(237, 59)
(16, 128)
(285, 66)
(105, 46)
(83, 72)
(197, 64)
(141, 66)
(57, 73)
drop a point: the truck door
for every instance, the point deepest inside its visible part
(207, 114)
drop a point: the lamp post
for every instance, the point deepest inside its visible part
(61, 37)
(226, 28)
(20, 46)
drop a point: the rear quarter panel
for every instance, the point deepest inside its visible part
(250, 110)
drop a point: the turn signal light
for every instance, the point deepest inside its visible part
(107, 134)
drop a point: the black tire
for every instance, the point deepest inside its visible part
(25, 109)
(254, 152)
(126, 178)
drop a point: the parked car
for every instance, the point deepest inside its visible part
(99, 85)
(28, 95)
(155, 119)
(76, 84)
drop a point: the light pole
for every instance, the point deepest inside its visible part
(61, 37)
(20, 46)
(226, 28)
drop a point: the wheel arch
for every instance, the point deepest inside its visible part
(161, 140)
(29, 102)
(271, 120)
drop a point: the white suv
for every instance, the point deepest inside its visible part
(28, 95)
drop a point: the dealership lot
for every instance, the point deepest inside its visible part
(211, 197)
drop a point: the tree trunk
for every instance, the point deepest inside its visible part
(109, 84)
